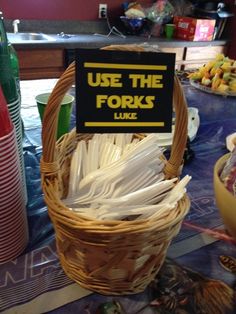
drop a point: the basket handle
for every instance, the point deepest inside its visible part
(49, 163)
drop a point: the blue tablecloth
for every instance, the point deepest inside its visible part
(194, 247)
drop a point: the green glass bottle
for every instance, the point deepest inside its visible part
(7, 79)
(15, 65)
(14, 60)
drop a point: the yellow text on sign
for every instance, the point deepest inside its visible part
(115, 79)
(146, 81)
(125, 101)
(104, 79)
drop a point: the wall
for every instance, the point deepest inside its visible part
(59, 9)
(79, 10)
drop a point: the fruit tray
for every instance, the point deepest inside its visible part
(209, 90)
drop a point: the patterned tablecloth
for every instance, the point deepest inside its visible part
(35, 282)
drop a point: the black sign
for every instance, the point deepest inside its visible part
(127, 92)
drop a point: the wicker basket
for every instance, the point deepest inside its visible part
(109, 257)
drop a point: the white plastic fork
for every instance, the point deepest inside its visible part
(140, 196)
(105, 185)
(127, 211)
(110, 153)
(76, 168)
(117, 167)
(177, 192)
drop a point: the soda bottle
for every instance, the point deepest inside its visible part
(15, 65)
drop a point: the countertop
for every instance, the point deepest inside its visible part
(97, 40)
(94, 34)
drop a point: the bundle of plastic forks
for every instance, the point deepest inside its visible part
(114, 177)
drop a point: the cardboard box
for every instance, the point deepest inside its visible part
(193, 29)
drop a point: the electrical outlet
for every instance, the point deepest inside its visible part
(102, 11)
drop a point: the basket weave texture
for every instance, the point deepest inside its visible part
(109, 257)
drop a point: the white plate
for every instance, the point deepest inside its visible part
(231, 141)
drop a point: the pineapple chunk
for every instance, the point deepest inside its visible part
(226, 66)
(196, 76)
(216, 66)
(209, 66)
(219, 57)
(215, 81)
(232, 85)
(206, 81)
(223, 88)
(226, 76)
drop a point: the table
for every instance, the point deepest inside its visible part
(35, 282)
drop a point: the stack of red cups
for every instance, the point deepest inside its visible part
(13, 219)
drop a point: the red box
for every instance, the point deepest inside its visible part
(189, 28)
